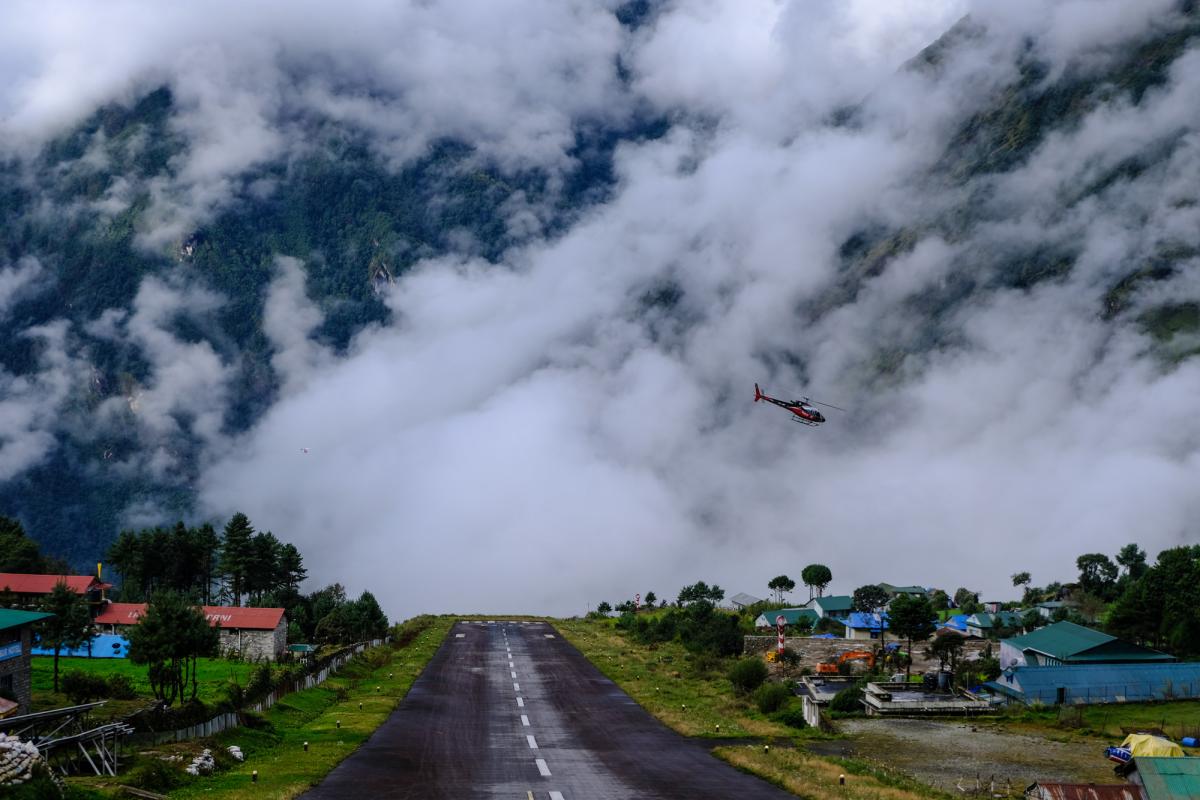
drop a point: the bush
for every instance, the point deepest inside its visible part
(747, 674)
(155, 775)
(847, 701)
(790, 657)
(119, 687)
(82, 686)
(791, 715)
(770, 697)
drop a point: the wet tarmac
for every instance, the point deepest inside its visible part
(512, 710)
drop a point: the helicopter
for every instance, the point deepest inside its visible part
(803, 409)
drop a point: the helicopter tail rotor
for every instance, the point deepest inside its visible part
(758, 395)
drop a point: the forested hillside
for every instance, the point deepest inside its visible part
(435, 284)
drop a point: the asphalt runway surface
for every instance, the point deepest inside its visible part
(512, 710)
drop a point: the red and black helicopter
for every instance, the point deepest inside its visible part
(804, 410)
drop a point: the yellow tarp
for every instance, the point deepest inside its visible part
(1143, 744)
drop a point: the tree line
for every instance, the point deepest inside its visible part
(235, 566)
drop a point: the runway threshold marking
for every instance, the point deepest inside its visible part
(520, 702)
(525, 720)
(532, 741)
(543, 770)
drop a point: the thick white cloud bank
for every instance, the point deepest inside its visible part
(532, 437)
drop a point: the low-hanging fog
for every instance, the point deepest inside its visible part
(536, 435)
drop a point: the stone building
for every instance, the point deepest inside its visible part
(252, 633)
(16, 641)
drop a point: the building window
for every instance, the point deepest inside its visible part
(6, 685)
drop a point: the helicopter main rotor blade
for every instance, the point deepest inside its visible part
(827, 405)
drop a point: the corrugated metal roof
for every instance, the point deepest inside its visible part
(228, 616)
(1169, 778)
(1060, 640)
(743, 599)
(121, 614)
(1085, 791)
(790, 615)
(835, 602)
(23, 583)
(11, 618)
(1098, 683)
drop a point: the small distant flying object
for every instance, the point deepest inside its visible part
(304, 450)
(803, 409)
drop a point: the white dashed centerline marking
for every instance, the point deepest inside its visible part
(548, 635)
(520, 702)
(542, 768)
(511, 665)
(516, 687)
(532, 742)
(525, 720)
(556, 796)
(460, 636)
(513, 673)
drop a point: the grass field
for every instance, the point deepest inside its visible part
(666, 682)
(1176, 719)
(214, 674)
(815, 777)
(277, 751)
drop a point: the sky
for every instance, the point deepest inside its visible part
(529, 436)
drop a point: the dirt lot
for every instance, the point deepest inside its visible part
(946, 754)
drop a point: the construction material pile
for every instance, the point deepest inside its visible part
(17, 760)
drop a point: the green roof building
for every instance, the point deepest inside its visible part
(837, 606)
(1164, 778)
(790, 617)
(915, 591)
(16, 644)
(1068, 643)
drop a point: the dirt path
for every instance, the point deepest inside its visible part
(943, 754)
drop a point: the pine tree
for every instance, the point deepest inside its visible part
(71, 625)
(237, 554)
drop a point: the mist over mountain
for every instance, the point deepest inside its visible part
(468, 300)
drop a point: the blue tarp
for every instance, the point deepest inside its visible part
(101, 646)
(862, 621)
(823, 636)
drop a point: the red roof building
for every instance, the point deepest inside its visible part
(24, 584)
(30, 588)
(250, 632)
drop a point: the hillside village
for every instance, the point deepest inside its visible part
(910, 651)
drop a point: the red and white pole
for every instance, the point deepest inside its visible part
(637, 602)
(780, 621)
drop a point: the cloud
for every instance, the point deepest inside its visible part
(576, 423)
(29, 404)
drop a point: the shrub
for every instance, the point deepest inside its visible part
(847, 700)
(260, 684)
(790, 657)
(747, 674)
(81, 686)
(791, 715)
(770, 697)
(119, 687)
(155, 775)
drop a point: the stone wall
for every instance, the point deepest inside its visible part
(20, 668)
(815, 651)
(255, 645)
